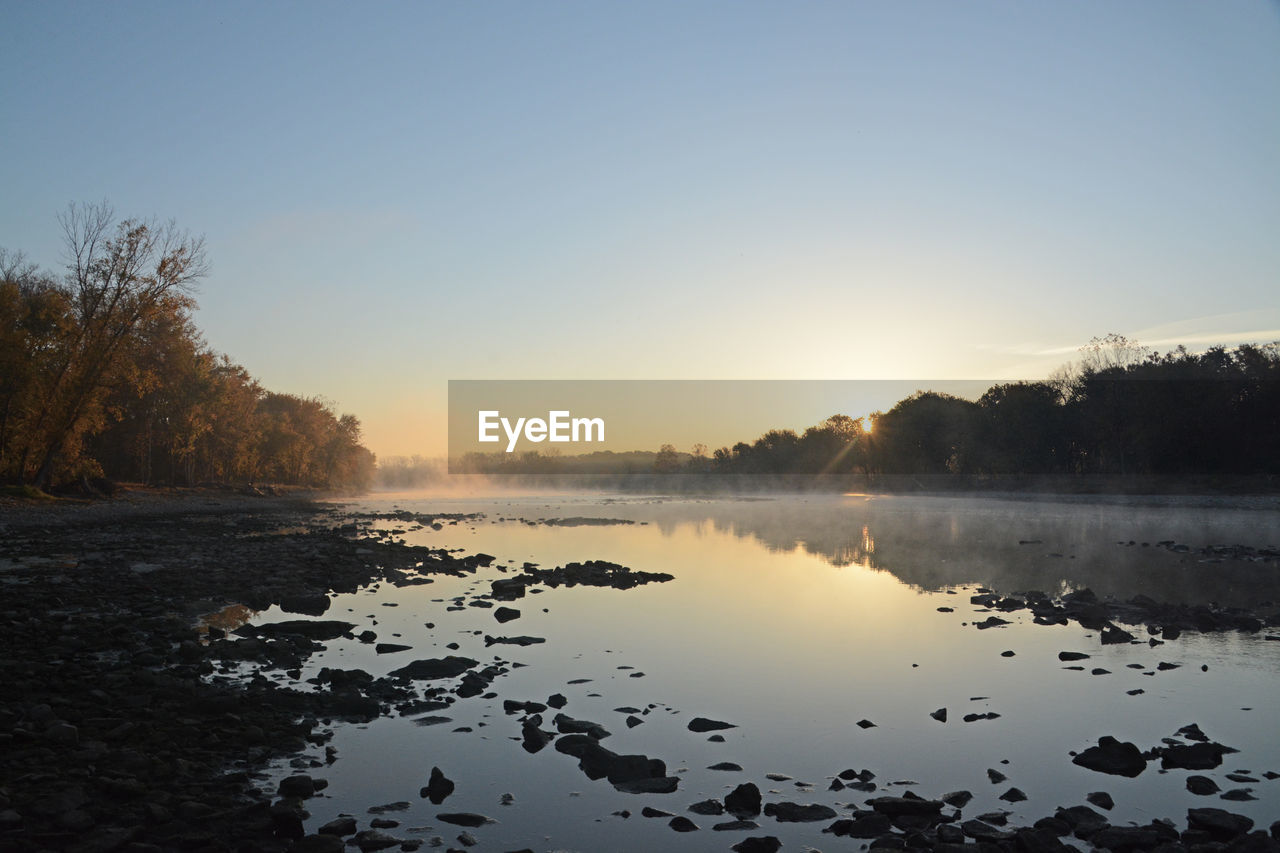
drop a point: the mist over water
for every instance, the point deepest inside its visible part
(1110, 544)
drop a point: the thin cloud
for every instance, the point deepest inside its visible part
(1159, 336)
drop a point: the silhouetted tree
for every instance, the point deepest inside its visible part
(1023, 430)
(927, 433)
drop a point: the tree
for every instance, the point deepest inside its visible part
(1112, 351)
(835, 446)
(667, 460)
(36, 321)
(1023, 429)
(119, 274)
(927, 433)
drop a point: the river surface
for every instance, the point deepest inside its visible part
(795, 618)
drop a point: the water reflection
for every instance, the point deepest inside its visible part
(227, 619)
(773, 624)
(937, 543)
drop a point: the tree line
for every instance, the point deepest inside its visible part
(1122, 409)
(103, 373)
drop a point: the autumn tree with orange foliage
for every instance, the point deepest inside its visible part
(105, 373)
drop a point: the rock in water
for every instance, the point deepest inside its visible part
(534, 738)
(463, 818)
(1101, 799)
(431, 668)
(864, 825)
(743, 801)
(300, 785)
(569, 726)
(438, 787)
(1202, 786)
(907, 805)
(374, 839)
(634, 774)
(799, 813)
(1196, 756)
(513, 641)
(702, 724)
(1221, 825)
(1111, 635)
(1112, 756)
(340, 826)
(1083, 821)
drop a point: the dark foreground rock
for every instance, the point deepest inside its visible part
(702, 724)
(592, 573)
(798, 812)
(634, 774)
(743, 801)
(438, 787)
(1112, 756)
(432, 668)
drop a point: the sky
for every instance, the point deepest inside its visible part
(399, 194)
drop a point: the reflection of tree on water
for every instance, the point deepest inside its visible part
(933, 543)
(227, 619)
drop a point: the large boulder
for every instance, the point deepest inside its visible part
(432, 668)
(1220, 824)
(1196, 756)
(799, 812)
(438, 787)
(908, 805)
(743, 801)
(1112, 756)
(629, 773)
(702, 724)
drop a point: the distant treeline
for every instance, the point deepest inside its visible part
(1121, 410)
(104, 374)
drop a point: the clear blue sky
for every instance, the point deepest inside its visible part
(396, 194)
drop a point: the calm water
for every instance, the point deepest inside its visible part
(794, 618)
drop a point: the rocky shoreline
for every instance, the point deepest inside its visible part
(118, 730)
(111, 735)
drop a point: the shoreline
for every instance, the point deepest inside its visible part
(135, 501)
